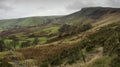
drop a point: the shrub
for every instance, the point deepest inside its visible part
(115, 62)
(4, 63)
(85, 27)
(1, 45)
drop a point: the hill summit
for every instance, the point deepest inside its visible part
(96, 12)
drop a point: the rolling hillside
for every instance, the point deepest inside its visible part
(87, 38)
(25, 22)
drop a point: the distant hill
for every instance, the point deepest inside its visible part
(85, 15)
(25, 22)
(89, 15)
(95, 12)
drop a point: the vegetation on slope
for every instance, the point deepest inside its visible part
(56, 52)
(107, 37)
(9, 24)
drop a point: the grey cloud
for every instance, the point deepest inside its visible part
(114, 3)
(4, 6)
(78, 4)
(24, 8)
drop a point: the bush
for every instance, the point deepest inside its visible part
(4, 63)
(1, 45)
(85, 27)
(115, 62)
(101, 62)
(25, 44)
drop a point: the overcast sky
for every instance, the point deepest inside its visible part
(24, 8)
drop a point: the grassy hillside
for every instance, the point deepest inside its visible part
(87, 38)
(24, 22)
(88, 15)
(95, 46)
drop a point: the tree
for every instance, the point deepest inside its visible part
(85, 27)
(64, 28)
(25, 44)
(36, 41)
(15, 41)
(1, 45)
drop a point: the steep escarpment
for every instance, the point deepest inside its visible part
(89, 15)
(96, 12)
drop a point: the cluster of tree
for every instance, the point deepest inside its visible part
(28, 43)
(67, 29)
(16, 42)
(85, 27)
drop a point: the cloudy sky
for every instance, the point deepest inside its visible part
(24, 8)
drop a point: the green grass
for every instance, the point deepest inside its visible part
(41, 39)
(2, 54)
(21, 22)
(27, 38)
(51, 29)
(7, 41)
